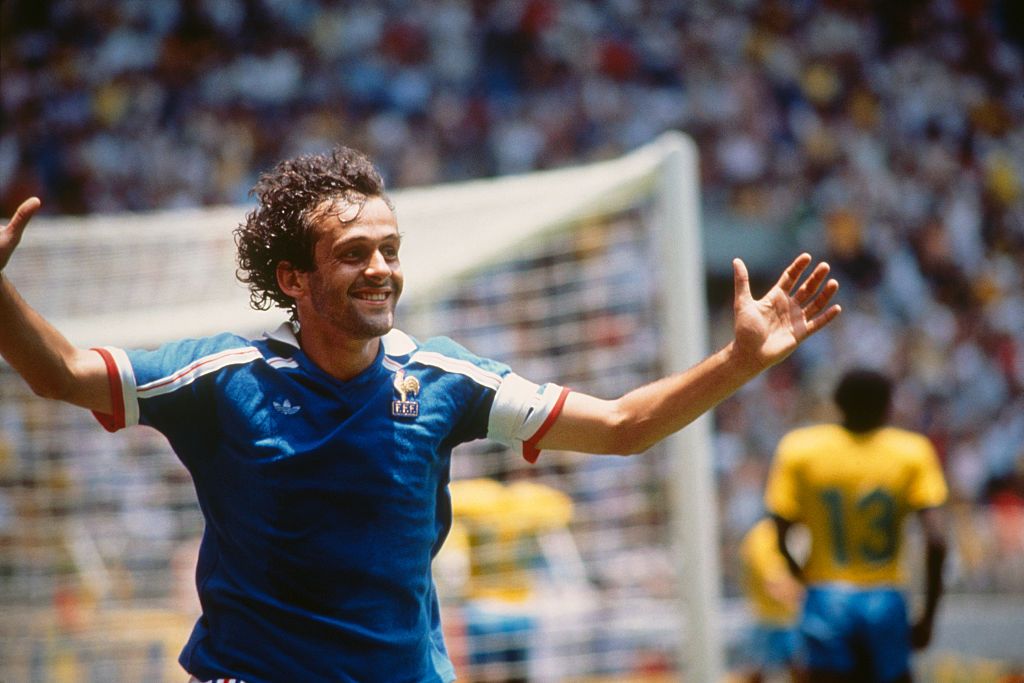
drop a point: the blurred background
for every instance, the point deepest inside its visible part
(885, 137)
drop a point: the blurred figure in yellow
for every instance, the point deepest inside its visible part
(774, 597)
(500, 529)
(503, 522)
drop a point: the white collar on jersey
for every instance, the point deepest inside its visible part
(285, 333)
(396, 342)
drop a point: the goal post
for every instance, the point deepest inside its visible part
(590, 276)
(684, 343)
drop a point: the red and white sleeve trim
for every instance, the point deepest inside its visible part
(123, 400)
(522, 412)
(530, 450)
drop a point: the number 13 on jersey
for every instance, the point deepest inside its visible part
(862, 528)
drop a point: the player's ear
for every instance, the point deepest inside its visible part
(291, 280)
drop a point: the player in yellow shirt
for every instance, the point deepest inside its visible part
(774, 597)
(853, 485)
(500, 526)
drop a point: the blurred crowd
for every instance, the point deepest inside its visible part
(887, 137)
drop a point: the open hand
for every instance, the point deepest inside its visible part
(770, 328)
(10, 234)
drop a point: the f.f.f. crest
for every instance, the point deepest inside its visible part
(406, 386)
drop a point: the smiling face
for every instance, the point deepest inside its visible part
(352, 291)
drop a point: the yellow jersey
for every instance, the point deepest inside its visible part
(773, 593)
(502, 523)
(853, 492)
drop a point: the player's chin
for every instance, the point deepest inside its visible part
(376, 325)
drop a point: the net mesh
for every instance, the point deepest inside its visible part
(585, 587)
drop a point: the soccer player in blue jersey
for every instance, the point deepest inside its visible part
(853, 484)
(320, 451)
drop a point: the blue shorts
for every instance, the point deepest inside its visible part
(856, 631)
(773, 647)
(498, 633)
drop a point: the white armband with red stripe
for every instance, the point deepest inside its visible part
(123, 400)
(523, 412)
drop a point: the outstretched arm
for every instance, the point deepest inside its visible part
(766, 331)
(49, 363)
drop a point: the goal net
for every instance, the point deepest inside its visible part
(576, 568)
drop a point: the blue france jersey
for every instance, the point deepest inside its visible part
(325, 501)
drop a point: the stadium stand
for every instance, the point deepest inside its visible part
(889, 136)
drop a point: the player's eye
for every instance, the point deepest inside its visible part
(352, 255)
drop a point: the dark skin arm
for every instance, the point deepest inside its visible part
(782, 527)
(932, 524)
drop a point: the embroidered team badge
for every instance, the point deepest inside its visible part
(406, 386)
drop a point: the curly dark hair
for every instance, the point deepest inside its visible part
(282, 227)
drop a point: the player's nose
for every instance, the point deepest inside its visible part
(378, 267)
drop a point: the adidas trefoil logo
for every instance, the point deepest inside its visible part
(285, 407)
